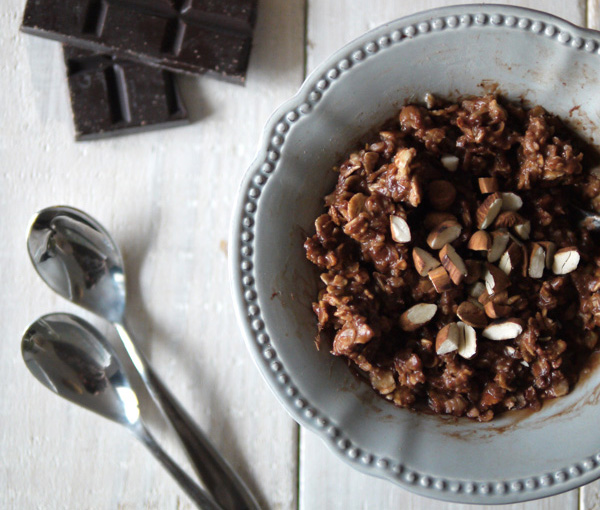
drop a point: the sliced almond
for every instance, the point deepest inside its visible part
(496, 310)
(488, 210)
(453, 263)
(500, 240)
(450, 162)
(537, 261)
(435, 218)
(523, 230)
(476, 303)
(441, 194)
(496, 280)
(511, 201)
(443, 234)
(550, 249)
(484, 297)
(476, 290)
(511, 258)
(488, 184)
(447, 339)
(480, 241)
(525, 258)
(508, 219)
(424, 261)
(417, 315)
(400, 229)
(474, 270)
(472, 314)
(503, 330)
(468, 341)
(440, 279)
(565, 260)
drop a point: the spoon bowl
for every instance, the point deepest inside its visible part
(74, 360)
(79, 260)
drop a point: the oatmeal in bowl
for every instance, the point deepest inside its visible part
(456, 276)
(446, 268)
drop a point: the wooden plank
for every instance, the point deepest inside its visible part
(325, 481)
(593, 14)
(589, 498)
(333, 24)
(167, 198)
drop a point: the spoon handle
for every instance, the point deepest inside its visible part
(218, 477)
(192, 489)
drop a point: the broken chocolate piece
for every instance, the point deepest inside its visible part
(191, 36)
(111, 96)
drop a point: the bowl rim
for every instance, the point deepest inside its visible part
(241, 250)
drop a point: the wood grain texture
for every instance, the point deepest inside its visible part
(325, 481)
(589, 498)
(167, 198)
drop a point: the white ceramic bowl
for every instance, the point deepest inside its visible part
(529, 55)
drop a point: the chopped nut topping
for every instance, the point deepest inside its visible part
(417, 315)
(424, 262)
(400, 229)
(467, 346)
(488, 184)
(508, 219)
(495, 279)
(500, 239)
(447, 339)
(474, 270)
(537, 261)
(550, 249)
(488, 210)
(480, 241)
(511, 258)
(496, 310)
(440, 279)
(511, 201)
(445, 233)
(450, 162)
(477, 289)
(453, 263)
(523, 229)
(503, 330)
(472, 314)
(565, 260)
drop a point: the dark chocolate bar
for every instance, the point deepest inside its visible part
(191, 36)
(111, 96)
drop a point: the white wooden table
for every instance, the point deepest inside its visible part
(167, 197)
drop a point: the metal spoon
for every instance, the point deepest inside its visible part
(79, 260)
(74, 360)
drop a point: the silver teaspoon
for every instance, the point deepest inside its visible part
(71, 358)
(79, 260)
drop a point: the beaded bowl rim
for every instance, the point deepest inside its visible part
(241, 251)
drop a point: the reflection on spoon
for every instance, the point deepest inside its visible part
(73, 359)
